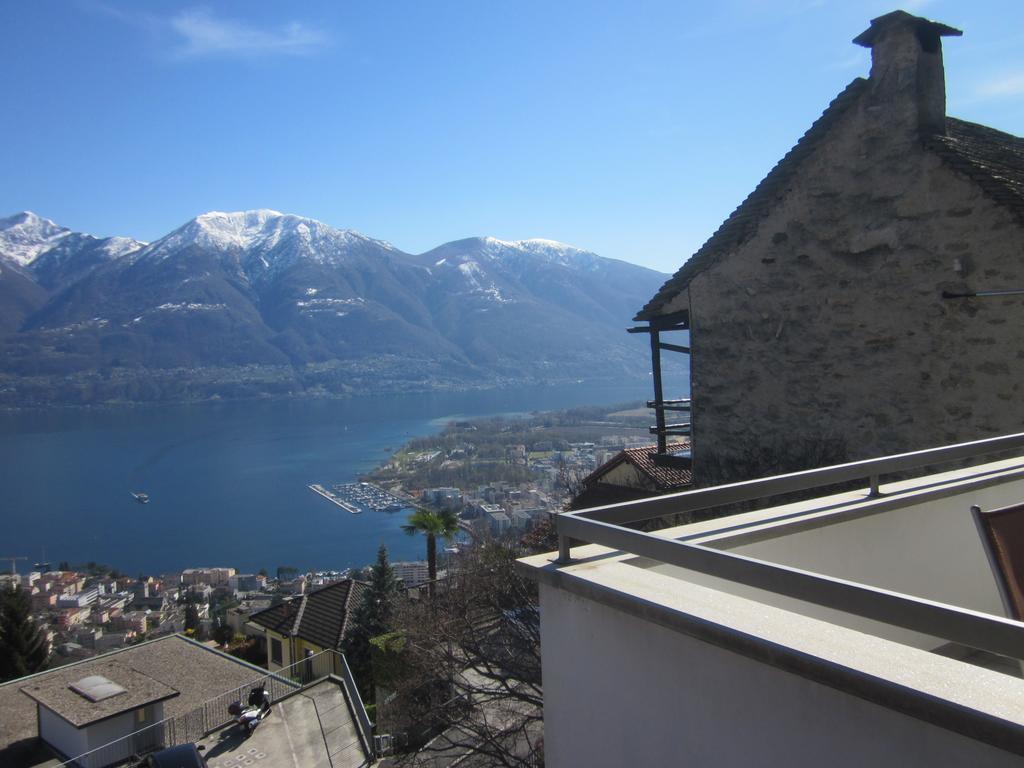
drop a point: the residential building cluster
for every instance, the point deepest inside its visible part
(83, 614)
(504, 508)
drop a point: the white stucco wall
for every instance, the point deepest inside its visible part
(61, 735)
(621, 691)
(109, 734)
(930, 550)
(115, 729)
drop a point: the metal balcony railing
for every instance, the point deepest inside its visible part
(212, 715)
(606, 526)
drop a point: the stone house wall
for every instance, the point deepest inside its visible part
(824, 335)
(827, 334)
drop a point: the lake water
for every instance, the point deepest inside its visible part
(227, 481)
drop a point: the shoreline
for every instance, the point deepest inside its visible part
(230, 472)
(454, 388)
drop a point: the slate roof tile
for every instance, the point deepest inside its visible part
(742, 223)
(319, 617)
(993, 159)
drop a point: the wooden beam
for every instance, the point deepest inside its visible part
(659, 395)
(683, 428)
(675, 348)
(649, 328)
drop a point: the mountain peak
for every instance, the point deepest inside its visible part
(25, 218)
(233, 230)
(531, 244)
(536, 250)
(256, 217)
(239, 228)
(25, 235)
(262, 241)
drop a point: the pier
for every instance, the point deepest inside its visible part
(356, 497)
(317, 488)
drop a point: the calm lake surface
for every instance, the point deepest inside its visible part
(227, 481)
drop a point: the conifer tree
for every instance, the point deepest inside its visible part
(191, 618)
(371, 617)
(22, 645)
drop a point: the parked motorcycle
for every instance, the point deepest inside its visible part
(250, 716)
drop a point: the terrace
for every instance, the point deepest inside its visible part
(864, 623)
(317, 720)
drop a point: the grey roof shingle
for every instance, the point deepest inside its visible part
(743, 222)
(320, 617)
(993, 159)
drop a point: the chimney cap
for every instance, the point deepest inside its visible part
(867, 37)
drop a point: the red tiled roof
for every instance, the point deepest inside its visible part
(664, 478)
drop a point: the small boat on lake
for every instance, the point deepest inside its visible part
(139, 496)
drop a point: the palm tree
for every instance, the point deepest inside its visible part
(432, 524)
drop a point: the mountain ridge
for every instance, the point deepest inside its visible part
(327, 310)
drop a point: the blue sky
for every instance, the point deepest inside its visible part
(628, 128)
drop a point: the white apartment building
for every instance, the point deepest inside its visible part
(871, 626)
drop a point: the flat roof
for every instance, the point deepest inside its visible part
(56, 692)
(743, 582)
(311, 728)
(197, 672)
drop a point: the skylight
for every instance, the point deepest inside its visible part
(96, 688)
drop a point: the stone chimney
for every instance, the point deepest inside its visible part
(907, 78)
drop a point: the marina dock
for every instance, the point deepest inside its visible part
(357, 497)
(317, 488)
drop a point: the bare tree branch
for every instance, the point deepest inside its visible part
(469, 678)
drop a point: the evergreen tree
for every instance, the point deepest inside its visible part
(223, 634)
(191, 617)
(22, 645)
(371, 617)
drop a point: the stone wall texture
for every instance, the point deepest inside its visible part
(825, 336)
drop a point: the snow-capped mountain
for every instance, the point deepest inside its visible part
(324, 308)
(26, 238)
(38, 256)
(263, 241)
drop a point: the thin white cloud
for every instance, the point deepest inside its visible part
(201, 33)
(198, 32)
(1005, 86)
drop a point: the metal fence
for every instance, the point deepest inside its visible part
(213, 714)
(606, 526)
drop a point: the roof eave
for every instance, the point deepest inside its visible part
(742, 223)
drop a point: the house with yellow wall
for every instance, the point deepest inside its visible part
(308, 624)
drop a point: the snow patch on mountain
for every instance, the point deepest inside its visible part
(550, 251)
(263, 241)
(24, 236)
(319, 305)
(96, 322)
(189, 307)
(116, 247)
